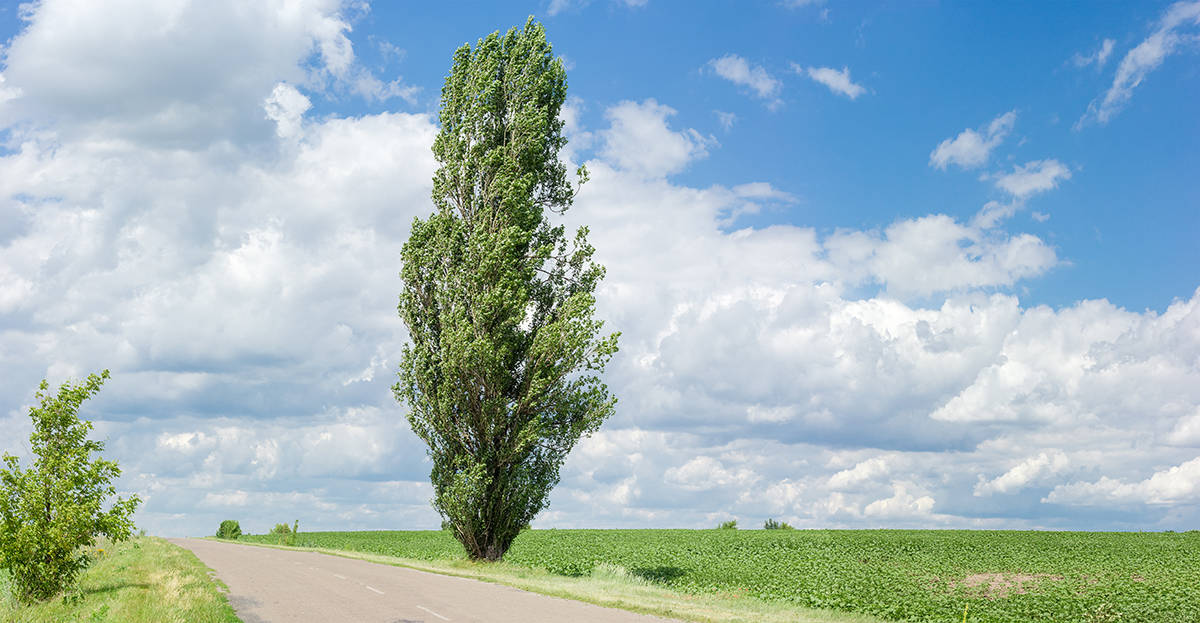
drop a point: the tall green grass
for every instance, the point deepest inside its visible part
(143, 580)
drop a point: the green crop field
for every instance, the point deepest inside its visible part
(901, 575)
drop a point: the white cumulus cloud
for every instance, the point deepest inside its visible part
(1033, 177)
(902, 504)
(1187, 430)
(741, 72)
(1180, 483)
(639, 140)
(971, 148)
(838, 81)
(286, 106)
(865, 471)
(1024, 473)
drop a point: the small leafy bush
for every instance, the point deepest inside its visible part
(771, 524)
(286, 535)
(52, 511)
(230, 529)
(728, 525)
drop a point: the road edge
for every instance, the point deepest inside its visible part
(629, 595)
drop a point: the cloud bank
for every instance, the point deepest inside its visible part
(234, 261)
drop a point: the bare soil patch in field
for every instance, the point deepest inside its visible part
(1001, 585)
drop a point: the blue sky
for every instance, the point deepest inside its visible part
(875, 265)
(928, 69)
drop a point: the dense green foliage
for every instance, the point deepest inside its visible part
(771, 524)
(899, 575)
(52, 512)
(501, 373)
(285, 534)
(229, 529)
(728, 525)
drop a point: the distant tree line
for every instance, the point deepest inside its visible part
(770, 524)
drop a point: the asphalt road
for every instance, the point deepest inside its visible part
(272, 585)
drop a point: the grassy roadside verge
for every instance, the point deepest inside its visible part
(143, 580)
(613, 587)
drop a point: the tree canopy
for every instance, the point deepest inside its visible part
(501, 373)
(51, 512)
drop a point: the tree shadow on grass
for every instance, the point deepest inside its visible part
(113, 587)
(661, 574)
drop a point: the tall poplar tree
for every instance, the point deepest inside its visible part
(502, 371)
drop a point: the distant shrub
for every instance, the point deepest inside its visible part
(230, 529)
(285, 534)
(771, 524)
(728, 525)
